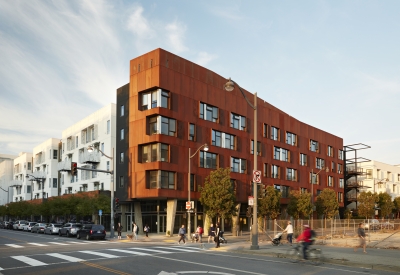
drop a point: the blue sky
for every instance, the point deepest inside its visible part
(331, 64)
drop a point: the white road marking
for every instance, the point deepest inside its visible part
(130, 252)
(58, 243)
(38, 244)
(29, 261)
(99, 254)
(14, 245)
(175, 248)
(153, 250)
(65, 257)
(76, 242)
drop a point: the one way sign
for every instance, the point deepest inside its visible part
(257, 176)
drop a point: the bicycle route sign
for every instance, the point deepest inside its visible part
(257, 176)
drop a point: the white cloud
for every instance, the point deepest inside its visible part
(175, 36)
(204, 58)
(139, 25)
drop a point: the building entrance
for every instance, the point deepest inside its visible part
(163, 223)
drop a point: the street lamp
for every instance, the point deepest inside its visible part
(312, 190)
(91, 149)
(229, 86)
(191, 156)
(40, 180)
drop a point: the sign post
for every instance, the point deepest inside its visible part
(100, 213)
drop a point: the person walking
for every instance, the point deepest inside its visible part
(119, 229)
(146, 230)
(211, 233)
(305, 237)
(199, 232)
(182, 233)
(217, 232)
(289, 231)
(135, 230)
(361, 236)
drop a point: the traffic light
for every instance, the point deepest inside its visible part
(262, 191)
(116, 203)
(74, 168)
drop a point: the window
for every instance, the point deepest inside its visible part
(318, 192)
(398, 175)
(303, 190)
(291, 174)
(319, 163)
(340, 154)
(313, 145)
(192, 132)
(266, 170)
(154, 99)
(208, 160)
(28, 189)
(222, 140)
(54, 182)
(281, 154)
(285, 190)
(238, 165)
(161, 179)
(314, 178)
(265, 130)
(339, 168)
(108, 165)
(275, 133)
(341, 183)
(291, 138)
(121, 181)
(122, 134)
(76, 141)
(102, 147)
(29, 166)
(389, 175)
(275, 172)
(330, 151)
(333, 166)
(340, 197)
(121, 159)
(252, 147)
(330, 181)
(155, 152)
(208, 112)
(55, 154)
(122, 110)
(369, 173)
(162, 125)
(238, 122)
(108, 126)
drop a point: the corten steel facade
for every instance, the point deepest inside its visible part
(188, 90)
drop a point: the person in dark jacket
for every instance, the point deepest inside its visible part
(119, 229)
(361, 236)
(182, 233)
(217, 232)
(211, 233)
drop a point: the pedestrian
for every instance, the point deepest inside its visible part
(361, 236)
(217, 232)
(119, 229)
(146, 230)
(182, 233)
(199, 232)
(135, 230)
(289, 231)
(305, 238)
(211, 233)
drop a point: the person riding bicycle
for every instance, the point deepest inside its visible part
(305, 237)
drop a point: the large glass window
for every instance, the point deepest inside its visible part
(275, 172)
(341, 183)
(252, 147)
(291, 138)
(160, 179)
(285, 190)
(319, 163)
(223, 140)
(340, 154)
(238, 165)
(192, 132)
(208, 112)
(154, 99)
(291, 174)
(330, 181)
(155, 152)
(330, 151)
(281, 154)
(265, 130)
(303, 159)
(313, 145)
(339, 168)
(162, 125)
(55, 154)
(274, 133)
(238, 122)
(208, 160)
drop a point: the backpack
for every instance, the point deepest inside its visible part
(313, 236)
(201, 230)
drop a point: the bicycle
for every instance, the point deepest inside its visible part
(295, 254)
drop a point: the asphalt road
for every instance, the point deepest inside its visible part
(27, 253)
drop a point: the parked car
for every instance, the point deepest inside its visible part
(69, 229)
(19, 224)
(52, 228)
(10, 225)
(38, 227)
(28, 226)
(91, 231)
(3, 224)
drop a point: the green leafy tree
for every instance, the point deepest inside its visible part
(366, 204)
(386, 204)
(396, 206)
(270, 206)
(327, 204)
(299, 204)
(102, 202)
(217, 195)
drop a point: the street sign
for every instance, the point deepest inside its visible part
(100, 212)
(251, 200)
(190, 211)
(188, 205)
(257, 176)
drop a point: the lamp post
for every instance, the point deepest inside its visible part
(91, 149)
(191, 156)
(229, 86)
(312, 190)
(39, 180)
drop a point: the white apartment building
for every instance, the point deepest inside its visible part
(97, 130)
(22, 185)
(6, 178)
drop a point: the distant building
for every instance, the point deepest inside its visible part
(6, 178)
(21, 185)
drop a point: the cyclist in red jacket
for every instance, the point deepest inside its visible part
(305, 237)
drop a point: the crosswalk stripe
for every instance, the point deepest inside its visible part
(130, 252)
(14, 245)
(76, 242)
(58, 243)
(174, 248)
(29, 261)
(38, 244)
(153, 250)
(65, 257)
(99, 254)
(188, 247)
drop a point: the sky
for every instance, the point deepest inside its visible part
(334, 65)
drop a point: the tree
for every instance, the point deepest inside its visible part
(299, 204)
(396, 204)
(385, 204)
(270, 205)
(366, 204)
(217, 195)
(327, 203)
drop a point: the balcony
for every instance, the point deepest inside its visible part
(64, 165)
(93, 157)
(352, 184)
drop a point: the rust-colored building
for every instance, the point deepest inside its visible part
(171, 105)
